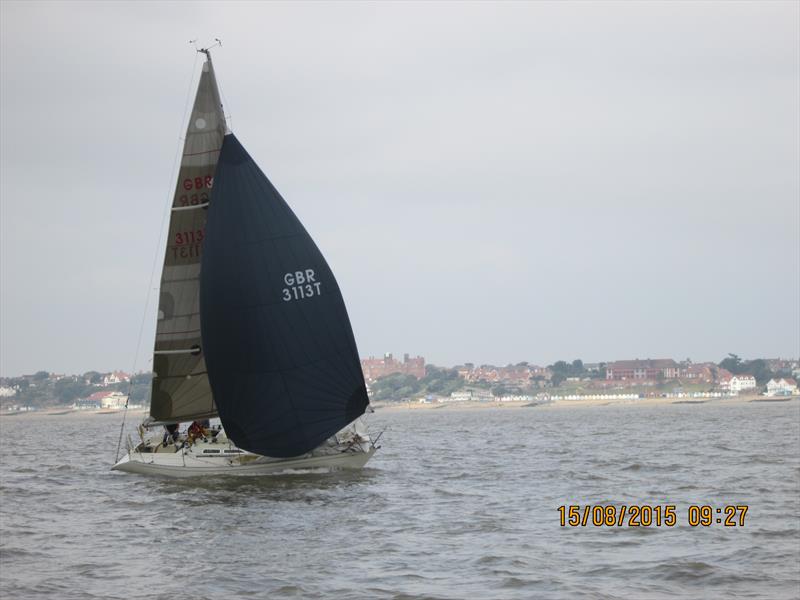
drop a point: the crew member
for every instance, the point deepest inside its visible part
(171, 433)
(196, 430)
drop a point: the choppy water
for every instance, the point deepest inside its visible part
(457, 504)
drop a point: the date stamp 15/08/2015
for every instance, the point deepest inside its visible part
(650, 515)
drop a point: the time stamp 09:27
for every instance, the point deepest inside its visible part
(647, 515)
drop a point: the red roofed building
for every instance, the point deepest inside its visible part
(374, 368)
(642, 370)
(116, 377)
(512, 374)
(703, 372)
(724, 377)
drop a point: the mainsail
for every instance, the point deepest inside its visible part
(181, 390)
(277, 340)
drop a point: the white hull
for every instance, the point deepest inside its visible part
(205, 457)
(136, 464)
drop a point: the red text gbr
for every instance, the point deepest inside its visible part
(196, 185)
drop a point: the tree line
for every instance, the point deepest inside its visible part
(39, 390)
(757, 367)
(437, 380)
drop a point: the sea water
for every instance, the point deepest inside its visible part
(456, 504)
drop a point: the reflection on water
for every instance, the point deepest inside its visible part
(457, 504)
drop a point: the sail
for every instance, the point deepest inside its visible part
(180, 389)
(279, 348)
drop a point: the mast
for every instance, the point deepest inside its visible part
(180, 390)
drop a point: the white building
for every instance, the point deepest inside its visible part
(781, 387)
(740, 383)
(7, 392)
(458, 397)
(112, 400)
(115, 377)
(115, 400)
(471, 395)
(516, 398)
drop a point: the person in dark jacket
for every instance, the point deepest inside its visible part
(171, 433)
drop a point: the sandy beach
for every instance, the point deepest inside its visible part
(449, 406)
(561, 404)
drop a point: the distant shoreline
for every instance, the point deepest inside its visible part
(69, 412)
(560, 404)
(449, 406)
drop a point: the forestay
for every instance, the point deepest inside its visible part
(180, 386)
(280, 351)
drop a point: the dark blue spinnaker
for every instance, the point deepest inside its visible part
(280, 353)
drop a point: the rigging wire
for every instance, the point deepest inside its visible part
(170, 199)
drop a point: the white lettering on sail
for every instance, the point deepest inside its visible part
(302, 284)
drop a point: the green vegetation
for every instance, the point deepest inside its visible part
(42, 390)
(140, 388)
(757, 368)
(563, 370)
(398, 386)
(569, 388)
(443, 382)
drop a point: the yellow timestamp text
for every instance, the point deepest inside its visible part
(650, 515)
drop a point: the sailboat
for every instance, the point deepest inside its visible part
(252, 328)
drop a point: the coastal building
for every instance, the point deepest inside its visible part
(520, 374)
(374, 368)
(114, 400)
(17, 408)
(470, 395)
(741, 382)
(698, 372)
(515, 398)
(642, 370)
(785, 386)
(464, 371)
(724, 378)
(107, 400)
(116, 377)
(781, 364)
(516, 374)
(86, 404)
(540, 372)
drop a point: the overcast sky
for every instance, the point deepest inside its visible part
(489, 182)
